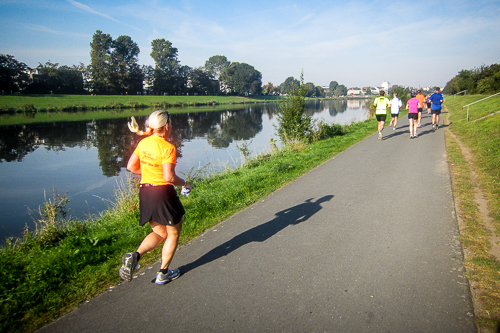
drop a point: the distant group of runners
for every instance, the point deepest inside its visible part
(414, 106)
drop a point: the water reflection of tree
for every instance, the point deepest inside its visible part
(115, 143)
(112, 139)
(242, 125)
(16, 142)
(62, 135)
(336, 106)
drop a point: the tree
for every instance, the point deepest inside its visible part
(310, 89)
(485, 79)
(148, 73)
(13, 74)
(86, 76)
(125, 73)
(293, 124)
(270, 89)
(333, 86)
(341, 90)
(100, 60)
(319, 91)
(201, 83)
(166, 66)
(242, 79)
(56, 79)
(289, 84)
(215, 65)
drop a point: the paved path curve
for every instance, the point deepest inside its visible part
(366, 242)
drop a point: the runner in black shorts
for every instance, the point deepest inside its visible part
(155, 160)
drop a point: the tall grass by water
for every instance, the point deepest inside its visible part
(51, 270)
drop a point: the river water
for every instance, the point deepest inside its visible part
(87, 159)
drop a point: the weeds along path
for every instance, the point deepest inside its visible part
(481, 202)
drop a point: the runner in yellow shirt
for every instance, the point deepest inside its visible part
(381, 103)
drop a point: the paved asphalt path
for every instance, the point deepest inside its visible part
(366, 242)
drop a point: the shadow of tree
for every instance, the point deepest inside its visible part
(262, 232)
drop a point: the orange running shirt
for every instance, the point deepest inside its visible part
(153, 152)
(421, 98)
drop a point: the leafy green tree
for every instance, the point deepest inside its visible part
(166, 66)
(241, 79)
(333, 85)
(341, 90)
(125, 73)
(289, 84)
(58, 80)
(181, 79)
(215, 65)
(319, 91)
(293, 124)
(310, 89)
(13, 74)
(100, 60)
(270, 89)
(148, 72)
(86, 76)
(201, 83)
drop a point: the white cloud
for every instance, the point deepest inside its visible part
(90, 10)
(95, 12)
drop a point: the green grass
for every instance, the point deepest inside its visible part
(68, 116)
(34, 103)
(482, 138)
(52, 271)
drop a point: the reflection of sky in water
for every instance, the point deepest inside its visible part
(219, 158)
(342, 118)
(76, 171)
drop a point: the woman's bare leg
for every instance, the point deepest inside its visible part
(170, 244)
(154, 239)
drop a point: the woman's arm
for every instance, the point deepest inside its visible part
(134, 164)
(170, 176)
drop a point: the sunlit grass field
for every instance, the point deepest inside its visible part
(32, 103)
(481, 136)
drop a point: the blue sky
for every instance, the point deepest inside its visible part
(356, 43)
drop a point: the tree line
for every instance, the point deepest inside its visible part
(482, 80)
(114, 69)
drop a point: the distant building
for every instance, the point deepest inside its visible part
(386, 86)
(354, 91)
(34, 74)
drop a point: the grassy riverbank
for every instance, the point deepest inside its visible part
(64, 264)
(474, 155)
(24, 118)
(50, 103)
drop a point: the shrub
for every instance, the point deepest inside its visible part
(293, 124)
(28, 107)
(323, 130)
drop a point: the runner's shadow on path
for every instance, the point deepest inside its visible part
(262, 232)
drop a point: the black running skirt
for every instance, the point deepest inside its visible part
(160, 204)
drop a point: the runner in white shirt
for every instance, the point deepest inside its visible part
(395, 105)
